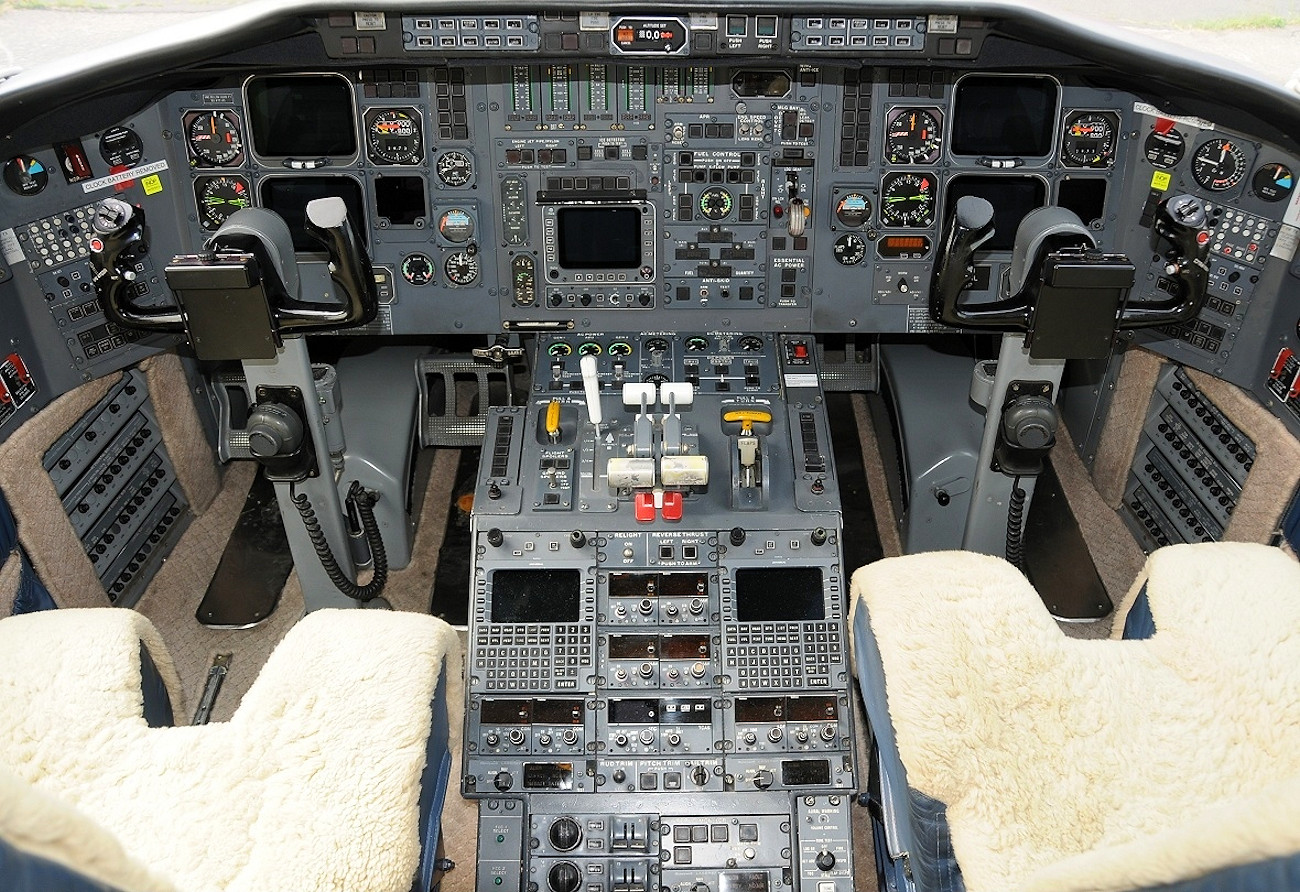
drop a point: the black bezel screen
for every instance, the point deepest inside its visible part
(1004, 116)
(598, 237)
(779, 594)
(536, 596)
(1012, 198)
(302, 116)
(289, 196)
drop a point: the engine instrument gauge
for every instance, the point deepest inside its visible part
(559, 348)
(1273, 182)
(1090, 138)
(696, 344)
(219, 197)
(454, 168)
(1219, 164)
(620, 348)
(907, 199)
(853, 209)
(657, 345)
(417, 269)
(589, 348)
(461, 268)
(455, 225)
(850, 248)
(913, 136)
(1164, 150)
(715, 203)
(751, 344)
(26, 175)
(121, 147)
(214, 139)
(393, 136)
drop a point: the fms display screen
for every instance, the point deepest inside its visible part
(599, 238)
(536, 596)
(779, 594)
(1004, 116)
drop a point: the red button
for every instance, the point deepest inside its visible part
(644, 505)
(800, 351)
(672, 509)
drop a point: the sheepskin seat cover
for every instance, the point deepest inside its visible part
(314, 783)
(1070, 764)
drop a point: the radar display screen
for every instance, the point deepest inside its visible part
(1012, 197)
(304, 117)
(289, 196)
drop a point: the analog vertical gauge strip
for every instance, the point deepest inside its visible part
(1089, 139)
(219, 197)
(1219, 164)
(214, 138)
(394, 136)
(913, 136)
(1164, 149)
(1273, 182)
(907, 199)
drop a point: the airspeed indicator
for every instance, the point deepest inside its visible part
(1219, 164)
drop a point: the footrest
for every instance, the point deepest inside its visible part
(455, 395)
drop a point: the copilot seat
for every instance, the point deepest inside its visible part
(331, 773)
(1011, 757)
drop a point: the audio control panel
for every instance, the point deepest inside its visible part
(658, 680)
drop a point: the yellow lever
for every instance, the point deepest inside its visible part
(747, 417)
(553, 420)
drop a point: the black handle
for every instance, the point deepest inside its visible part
(970, 226)
(327, 222)
(119, 239)
(1180, 221)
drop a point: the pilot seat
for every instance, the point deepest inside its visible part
(1007, 756)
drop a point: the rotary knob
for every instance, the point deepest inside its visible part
(565, 834)
(570, 737)
(503, 781)
(516, 736)
(273, 429)
(564, 877)
(825, 860)
(763, 779)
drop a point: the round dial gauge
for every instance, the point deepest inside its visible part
(1164, 150)
(589, 348)
(715, 203)
(393, 136)
(26, 175)
(850, 248)
(1090, 138)
(461, 268)
(559, 348)
(121, 147)
(456, 226)
(912, 136)
(219, 197)
(1218, 164)
(214, 139)
(417, 269)
(696, 344)
(1273, 182)
(455, 168)
(751, 344)
(907, 199)
(853, 209)
(620, 348)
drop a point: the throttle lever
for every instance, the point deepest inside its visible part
(119, 238)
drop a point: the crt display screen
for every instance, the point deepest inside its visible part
(301, 117)
(779, 594)
(288, 197)
(1004, 117)
(1011, 196)
(599, 238)
(536, 596)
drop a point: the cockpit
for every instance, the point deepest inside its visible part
(618, 340)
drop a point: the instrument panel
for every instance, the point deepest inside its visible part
(574, 171)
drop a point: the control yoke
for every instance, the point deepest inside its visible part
(1066, 295)
(241, 294)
